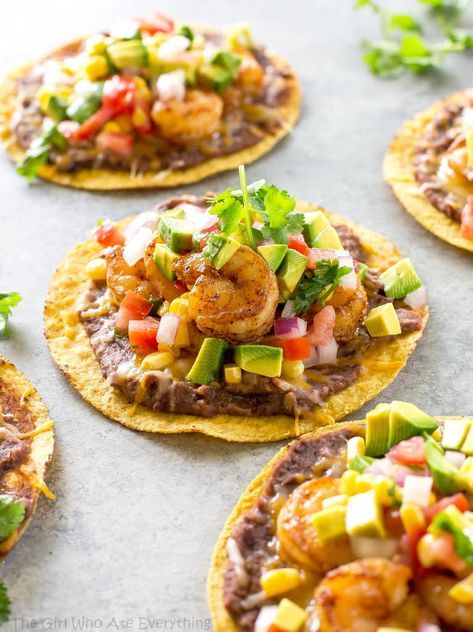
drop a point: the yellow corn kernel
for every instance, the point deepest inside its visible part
(97, 270)
(182, 337)
(232, 374)
(355, 445)
(425, 550)
(340, 499)
(180, 306)
(292, 368)
(124, 121)
(383, 488)
(280, 580)
(348, 482)
(432, 498)
(157, 361)
(96, 68)
(364, 483)
(412, 517)
(163, 308)
(164, 347)
(96, 44)
(463, 591)
(142, 89)
(289, 616)
(437, 435)
(238, 35)
(112, 126)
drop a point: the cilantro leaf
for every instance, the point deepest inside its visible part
(12, 514)
(7, 302)
(326, 277)
(277, 205)
(213, 247)
(38, 152)
(5, 604)
(404, 22)
(229, 210)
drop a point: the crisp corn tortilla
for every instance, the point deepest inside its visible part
(42, 444)
(398, 170)
(109, 179)
(221, 619)
(69, 345)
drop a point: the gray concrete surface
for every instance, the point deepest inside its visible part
(128, 542)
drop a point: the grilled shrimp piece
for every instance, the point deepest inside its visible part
(195, 118)
(349, 316)
(122, 278)
(162, 286)
(298, 538)
(434, 591)
(250, 74)
(237, 302)
(361, 596)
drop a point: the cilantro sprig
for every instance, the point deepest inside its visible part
(5, 604)
(402, 46)
(12, 513)
(7, 302)
(38, 152)
(318, 287)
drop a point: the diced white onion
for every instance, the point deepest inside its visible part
(236, 558)
(148, 219)
(173, 47)
(364, 547)
(168, 326)
(135, 248)
(171, 85)
(265, 618)
(328, 353)
(288, 310)
(418, 298)
(455, 458)
(417, 490)
(349, 281)
(84, 87)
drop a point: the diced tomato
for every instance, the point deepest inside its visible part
(393, 522)
(116, 142)
(124, 316)
(297, 242)
(322, 331)
(180, 287)
(119, 93)
(294, 348)
(409, 542)
(141, 116)
(108, 235)
(160, 23)
(467, 219)
(142, 335)
(409, 452)
(94, 123)
(136, 303)
(442, 552)
(459, 500)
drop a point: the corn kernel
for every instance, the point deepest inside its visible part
(412, 517)
(340, 499)
(425, 549)
(182, 336)
(180, 306)
(289, 616)
(355, 445)
(139, 117)
(348, 482)
(292, 368)
(238, 35)
(125, 123)
(280, 580)
(97, 270)
(163, 308)
(437, 435)
(96, 68)
(157, 361)
(96, 44)
(432, 498)
(232, 374)
(364, 483)
(383, 488)
(463, 591)
(111, 126)
(165, 347)
(142, 89)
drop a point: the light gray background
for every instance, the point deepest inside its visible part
(137, 515)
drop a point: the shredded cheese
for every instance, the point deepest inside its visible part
(37, 482)
(26, 393)
(47, 425)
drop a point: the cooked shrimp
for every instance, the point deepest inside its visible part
(361, 596)
(250, 74)
(434, 591)
(349, 316)
(162, 286)
(122, 278)
(191, 120)
(298, 538)
(237, 302)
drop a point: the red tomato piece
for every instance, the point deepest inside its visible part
(142, 335)
(119, 93)
(108, 235)
(409, 542)
(409, 452)
(297, 242)
(124, 316)
(459, 500)
(94, 123)
(322, 331)
(294, 348)
(467, 219)
(142, 116)
(116, 142)
(137, 304)
(160, 23)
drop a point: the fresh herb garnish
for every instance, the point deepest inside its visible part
(246, 206)
(38, 152)
(12, 514)
(187, 32)
(326, 277)
(402, 45)
(5, 604)
(7, 302)
(213, 247)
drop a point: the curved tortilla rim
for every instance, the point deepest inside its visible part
(399, 172)
(42, 445)
(108, 179)
(221, 618)
(71, 350)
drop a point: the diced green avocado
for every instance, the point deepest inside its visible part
(328, 240)
(177, 233)
(467, 446)
(383, 321)
(56, 108)
(377, 430)
(214, 77)
(400, 279)
(314, 224)
(406, 421)
(259, 359)
(209, 361)
(164, 258)
(220, 249)
(227, 60)
(82, 107)
(273, 254)
(454, 433)
(128, 55)
(330, 523)
(360, 463)
(290, 272)
(445, 474)
(364, 515)
(362, 271)
(176, 213)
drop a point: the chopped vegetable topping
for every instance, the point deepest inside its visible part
(12, 514)
(5, 604)
(326, 277)
(38, 152)
(7, 302)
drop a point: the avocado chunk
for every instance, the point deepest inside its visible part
(328, 240)
(164, 258)
(259, 359)
(314, 224)
(454, 433)
(128, 55)
(82, 107)
(209, 361)
(383, 321)
(406, 421)
(360, 463)
(330, 523)
(364, 516)
(273, 254)
(467, 446)
(56, 108)
(362, 271)
(377, 430)
(177, 233)
(214, 77)
(445, 474)
(400, 279)
(290, 272)
(220, 249)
